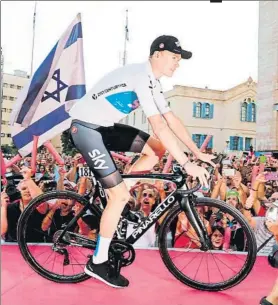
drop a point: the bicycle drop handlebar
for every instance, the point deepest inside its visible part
(210, 170)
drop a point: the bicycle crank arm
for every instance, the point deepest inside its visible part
(196, 223)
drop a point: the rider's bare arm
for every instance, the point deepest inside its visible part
(181, 132)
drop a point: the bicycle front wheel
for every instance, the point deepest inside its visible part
(62, 263)
(222, 266)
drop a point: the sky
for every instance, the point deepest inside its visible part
(223, 37)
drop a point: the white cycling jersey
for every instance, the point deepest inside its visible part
(119, 93)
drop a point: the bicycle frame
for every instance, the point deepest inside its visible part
(186, 202)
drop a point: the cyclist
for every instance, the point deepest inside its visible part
(95, 132)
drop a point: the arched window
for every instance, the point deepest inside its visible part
(253, 112)
(244, 112)
(198, 110)
(207, 110)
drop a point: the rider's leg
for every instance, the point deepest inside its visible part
(152, 152)
(118, 196)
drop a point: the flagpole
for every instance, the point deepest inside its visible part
(33, 43)
(126, 39)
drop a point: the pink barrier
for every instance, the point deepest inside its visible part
(205, 143)
(54, 153)
(34, 154)
(121, 157)
(167, 164)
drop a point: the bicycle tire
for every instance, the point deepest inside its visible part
(251, 241)
(22, 225)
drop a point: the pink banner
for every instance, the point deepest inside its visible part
(34, 154)
(14, 160)
(255, 171)
(119, 156)
(167, 164)
(3, 168)
(54, 153)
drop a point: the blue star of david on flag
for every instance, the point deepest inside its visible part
(60, 87)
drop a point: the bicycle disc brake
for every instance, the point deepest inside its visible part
(123, 250)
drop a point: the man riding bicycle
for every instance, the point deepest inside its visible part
(95, 131)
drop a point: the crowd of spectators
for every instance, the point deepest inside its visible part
(249, 182)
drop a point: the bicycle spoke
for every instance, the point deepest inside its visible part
(207, 266)
(190, 262)
(198, 268)
(217, 266)
(225, 264)
(54, 261)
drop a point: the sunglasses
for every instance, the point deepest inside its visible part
(148, 195)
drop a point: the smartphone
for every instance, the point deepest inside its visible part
(228, 172)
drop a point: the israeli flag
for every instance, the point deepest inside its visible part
(42, 107)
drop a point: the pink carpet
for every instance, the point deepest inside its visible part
(150, 284)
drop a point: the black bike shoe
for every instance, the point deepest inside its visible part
(265, 302)
(104, 272)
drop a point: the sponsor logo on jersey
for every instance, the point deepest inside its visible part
(95, 96)
(97, 158)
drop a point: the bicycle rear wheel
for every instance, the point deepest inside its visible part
(179, 253)
(65, 265)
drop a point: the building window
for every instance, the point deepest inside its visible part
(11, 98)
(244, 112)
(5, 97)
(198, 110)
(19, 87)
(207, 111)
(248, 143)
(11, 85)
(4, 122)
(253, 112)
(143, 118)
(236, 143)
(169, 104)
(248, 110)
(4, 110)
(2, 135)
(5, 85)
(9, 110)
(9, 135)
(199, 139)
(203, 110)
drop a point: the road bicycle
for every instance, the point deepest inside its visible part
(61, 257)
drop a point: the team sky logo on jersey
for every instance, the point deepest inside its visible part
(95, 96)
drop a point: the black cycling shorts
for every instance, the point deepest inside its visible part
(95, 143)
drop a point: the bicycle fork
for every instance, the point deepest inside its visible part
(196, 222)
